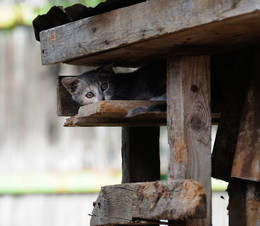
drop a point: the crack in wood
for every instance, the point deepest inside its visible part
(135, 220)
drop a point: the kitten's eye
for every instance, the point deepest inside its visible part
(104, 86)
(89, 95)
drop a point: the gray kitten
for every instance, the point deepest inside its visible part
(146, 83)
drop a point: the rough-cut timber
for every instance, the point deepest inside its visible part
(235, 70)
(65, 105)
(244, 203)
(246, 163)
(134, 203)
(189, 123)
(113, 112)
(151, 29)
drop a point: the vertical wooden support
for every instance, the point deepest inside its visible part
(244, 203)
(140, 154)
(244, 196)
(189, 123)
(246, 163)
(234, 70)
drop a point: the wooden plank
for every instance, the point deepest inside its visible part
(253, 203)
(113, 113)
(132, 203)
(151, 120)
(140, 154)
(244, 203)
(65, 105)
(246, 163)
(189, 123)
(115, 108)
(237, 203)
(151, 29)
(234, 68)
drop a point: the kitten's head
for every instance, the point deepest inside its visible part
(92, 86)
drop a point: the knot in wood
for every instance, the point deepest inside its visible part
(196, 123)
(194, 88)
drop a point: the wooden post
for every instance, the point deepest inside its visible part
(244, 204)
(234, 71)
(189, 123)
(244, 195)
(140, 154)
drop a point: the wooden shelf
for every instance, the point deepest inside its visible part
(113, 113)
(153, 29)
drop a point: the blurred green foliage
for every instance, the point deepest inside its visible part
(24, 13)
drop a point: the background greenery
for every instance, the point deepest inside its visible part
(23, 13)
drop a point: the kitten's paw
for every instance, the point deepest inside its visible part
(136, 111)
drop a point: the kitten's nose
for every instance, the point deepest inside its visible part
(101, 97)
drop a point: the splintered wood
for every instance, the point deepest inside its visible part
(137, 203)
(113, 113)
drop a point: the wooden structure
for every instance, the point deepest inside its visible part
(212, 63)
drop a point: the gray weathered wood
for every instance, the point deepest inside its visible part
(189, 123)
(246, 163)
(132, 203)
(154, 28)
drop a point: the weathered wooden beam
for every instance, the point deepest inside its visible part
(244, 203)
(151, 29)
(235, 70)
(115, 108)
(189, 123)
(113, 113)
(65, 105)
(130, 204)
(246, 163)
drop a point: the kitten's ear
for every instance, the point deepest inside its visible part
(107, 69)
(70, 83)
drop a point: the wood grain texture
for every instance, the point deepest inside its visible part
(65, 105)
(114, 108)
(189, 123)
(246, 163)
(152, 29)
(244, 203)
(113, 112)
(253, 203)
(137, 203)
